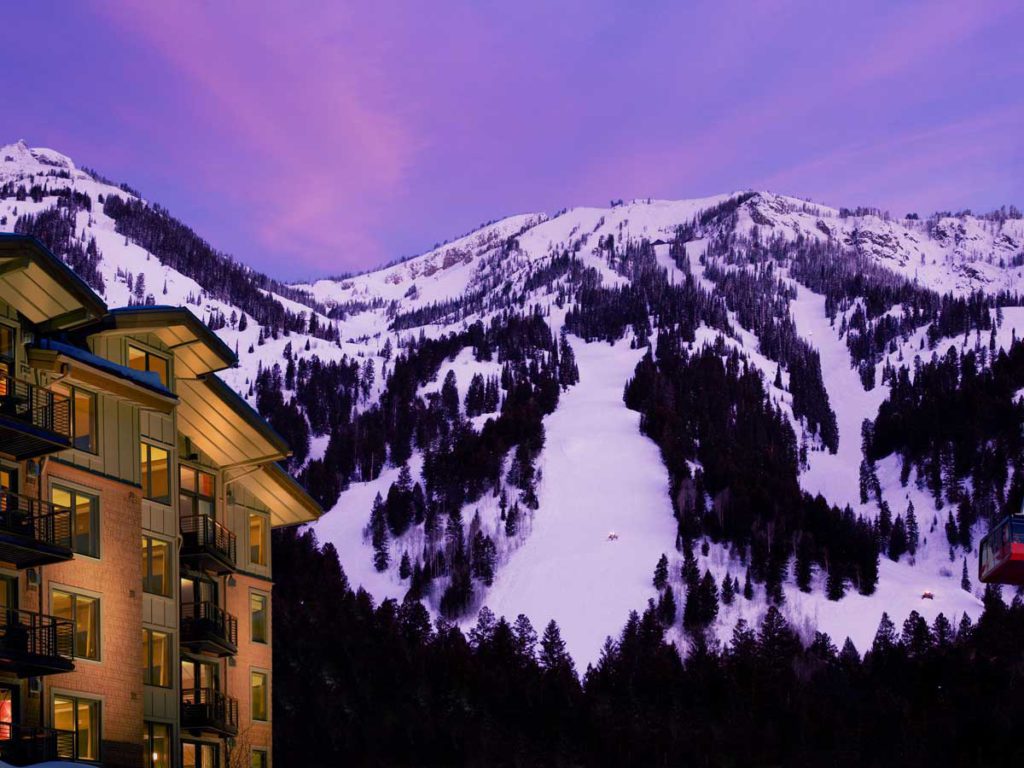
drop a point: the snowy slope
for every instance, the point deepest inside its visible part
(599, 474)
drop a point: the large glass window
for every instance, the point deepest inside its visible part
(156, 473)
(83, 416)
(259, 615)
(195, 492)
(84, 613)
(156, 566)
(195, 754)
(157, 741)
(8, 482)
(6, 355)
(85, 518)
(141, 360)
(81, 717)
(260, 696)
(258, 544)
(156, 658)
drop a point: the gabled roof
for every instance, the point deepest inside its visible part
(222, 425)
(288, 502)
(42, 287)
(197, 349)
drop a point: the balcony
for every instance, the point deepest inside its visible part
(33, 532)
(205, 709)
(33, 644)
(28, 745)
(208, 628)
(206, 545)
(33, 420)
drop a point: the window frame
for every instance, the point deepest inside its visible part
(146, 475)
(193, 494)
(94, 516)
(259, 595)
(148, 541)
(71, 392)
(264, 542)
(198, 746)
(75, 595)
(147, 668)
(265, 763)
(148, 728)
(149, 354)
(76, 700)
(265, 674)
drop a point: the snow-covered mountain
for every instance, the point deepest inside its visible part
(604, 514)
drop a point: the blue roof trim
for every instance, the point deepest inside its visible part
(220, 346)
(146, 379)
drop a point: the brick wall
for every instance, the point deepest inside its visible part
(116, 576)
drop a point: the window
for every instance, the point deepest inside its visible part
(258, 544)
(260, 696)
(156, 473)
(260, 759)
(81, 717)
(195, 754)
(84, 613)
(9, 592)
(199, 675)
(8, 482)
(156, 566)
(6, 355)
(8, 710)
(141, 360)
(258, 614)
(83, 416)
(157, 743)
(85, 518)
(195, 492)
(156, 658)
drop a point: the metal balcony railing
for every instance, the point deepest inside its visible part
(27, 745)
(34, 406)
(34, 644)
(207, 542)
(206, 626)
(32, 531)
(206, 709)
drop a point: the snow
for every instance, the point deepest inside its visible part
(600, 475)
(835, 476)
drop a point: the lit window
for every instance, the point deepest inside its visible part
(156, 566)
(80, 717)
(83, 416)
(259, 614)
(195, 492)
(141, 360)
(156, 658)
(260, 759)
(157, 741)
(258, 543)
(84, 614)
(85, 518)
(196, 754)
(260, 696)
(156, 473)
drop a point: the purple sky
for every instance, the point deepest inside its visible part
(342, 136)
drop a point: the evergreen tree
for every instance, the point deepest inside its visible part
(897, 540)
(404, 567)
(748, 587)
(728, 590)
(965, 579)
(661, 573)
(913, 532)
(553, 655)
(379, 535)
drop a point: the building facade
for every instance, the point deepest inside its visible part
(137, 496)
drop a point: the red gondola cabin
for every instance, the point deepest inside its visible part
(1001, 558)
